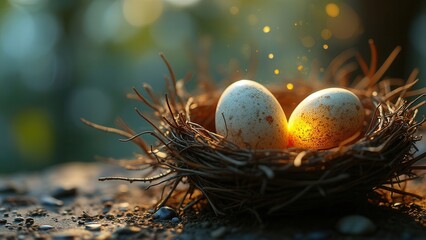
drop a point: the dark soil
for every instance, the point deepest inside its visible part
(68, 202)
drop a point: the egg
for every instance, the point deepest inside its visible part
(249, 116)
(325, 118)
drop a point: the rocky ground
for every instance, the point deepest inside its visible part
(68, 202)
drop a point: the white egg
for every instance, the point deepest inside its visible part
(249, 116)
(325, 118)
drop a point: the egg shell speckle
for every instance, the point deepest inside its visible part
(249, 116)
(325, 118)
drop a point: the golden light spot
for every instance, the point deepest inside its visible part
(276, 71)
(308, 41)
(326, 34)
(234, 10)
(140, 13)
(332, 10)
(325, 46)
(374, 94)
(290, 86)
(271, 56)
(266, 29)
(300, 67)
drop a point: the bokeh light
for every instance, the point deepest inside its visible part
(332, 10)
(141, 13)
(266, 29)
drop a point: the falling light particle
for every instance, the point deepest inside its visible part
(276, 71)
(326, 34)
(234, 10)
(271, 56)
(266, 29)
(300, 67)
(332, 10)
(290, 86)
(325, 46)
(374, 94)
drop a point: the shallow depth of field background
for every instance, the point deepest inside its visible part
(62, 60)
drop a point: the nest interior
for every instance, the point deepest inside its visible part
(193, 164)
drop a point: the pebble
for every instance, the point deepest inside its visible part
(164, 213)
(127, 230)
(29, 221)
(63, 192)
(356, 225)
(175, 220)
(51, 201)
(45, 227)
(8, 189)
(3, 221)
(93, 226)
(18, 219)
(123, 206)
(2, 210)
(219, 232)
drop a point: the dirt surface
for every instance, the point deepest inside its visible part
(68, 202)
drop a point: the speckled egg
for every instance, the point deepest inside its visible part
(249, 116)
(325, 118)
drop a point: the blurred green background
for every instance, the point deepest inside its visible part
(62, 60)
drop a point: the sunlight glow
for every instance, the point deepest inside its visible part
(332, 10)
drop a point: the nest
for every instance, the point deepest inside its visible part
(195, 165)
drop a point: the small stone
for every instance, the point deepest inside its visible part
(107, 199)
(356, 225)
(18, 219)
(93, 226)
(8, 188)
(2, 210)
(219, 232)
(175, 220)
(45, 227)
(123, 206)
(63, 192)
(127, 230)
(29, 221)
(3, 221)
(164, 213)
(6, 215)
(50, 201)
(110, 217)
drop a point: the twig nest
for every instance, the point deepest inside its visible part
(197, 165)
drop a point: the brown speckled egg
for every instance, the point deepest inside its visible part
(249, 116)
(325, 118)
